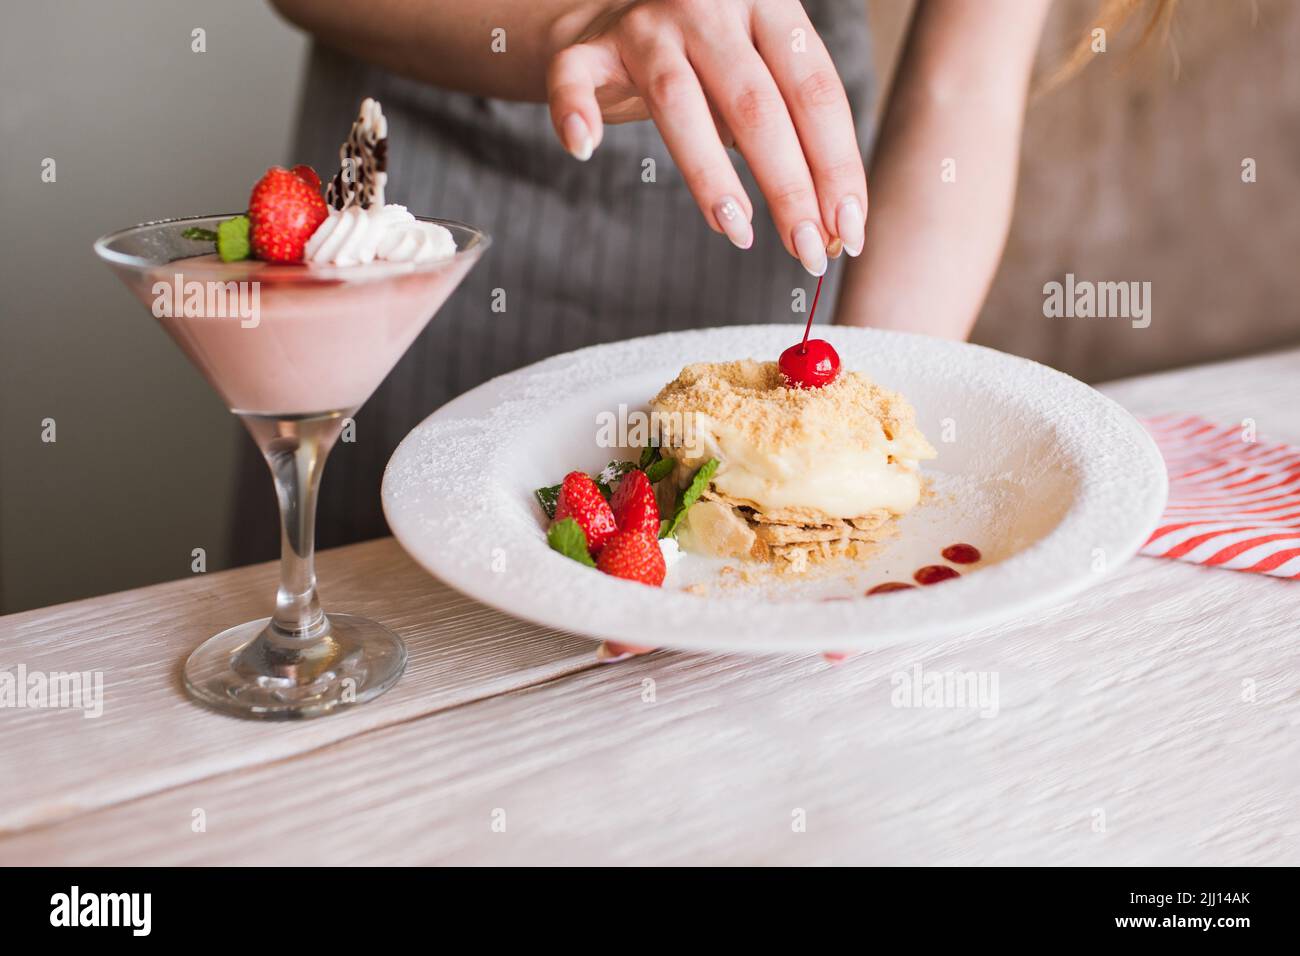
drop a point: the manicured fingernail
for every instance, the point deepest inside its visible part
(851, 223)
(835, 248)
(577, 138)
(808, 244)
(731, 217)
(609, 655)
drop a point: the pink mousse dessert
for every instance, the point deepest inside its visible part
(310, 300)
(277, 339)
(294, 312)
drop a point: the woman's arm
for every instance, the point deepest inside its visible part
(943, 174)
(752, 72)
(447, 43)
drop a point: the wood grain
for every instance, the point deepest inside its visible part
(56, 763)
(1126, 703)
(1152, 720)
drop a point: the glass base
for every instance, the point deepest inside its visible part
(252, 670)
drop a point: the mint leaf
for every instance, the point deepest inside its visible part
(612, 473)
(548, 498)
(567, 537)
(232, 239)
(659, 470)
(689, 496)
(615, 470)
(200, 235)
(649, 455)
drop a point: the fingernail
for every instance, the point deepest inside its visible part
(608, 655)
(835, 248)
(731, 217)
(808, 244)
(577, 138)
(851, 223)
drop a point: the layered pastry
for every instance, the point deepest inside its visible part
(803, 475)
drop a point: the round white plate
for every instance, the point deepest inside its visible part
(1054, 483)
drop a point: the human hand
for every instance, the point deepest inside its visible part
(713, 73)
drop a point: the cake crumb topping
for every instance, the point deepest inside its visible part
(752, 398)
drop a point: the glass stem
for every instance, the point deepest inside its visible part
(296, 449)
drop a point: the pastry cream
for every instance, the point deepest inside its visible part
(845, 450)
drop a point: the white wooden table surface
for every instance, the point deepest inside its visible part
(1122, 734)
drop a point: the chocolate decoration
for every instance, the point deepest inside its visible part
(365, 152)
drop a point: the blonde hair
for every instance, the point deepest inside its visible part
(1112, 17)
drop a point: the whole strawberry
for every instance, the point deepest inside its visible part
(285, 210)
(634, 555)
(581, 500)
(635, 508)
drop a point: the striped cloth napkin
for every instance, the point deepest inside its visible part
(1234, 500)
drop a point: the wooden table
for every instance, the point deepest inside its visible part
(1123, 734)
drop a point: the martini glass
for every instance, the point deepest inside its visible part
(293, 351)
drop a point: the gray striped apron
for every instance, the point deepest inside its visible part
(583, 253)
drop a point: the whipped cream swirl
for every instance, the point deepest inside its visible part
(355, 236)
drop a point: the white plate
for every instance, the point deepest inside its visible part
(1053, 482)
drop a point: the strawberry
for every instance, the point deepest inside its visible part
(307, 175)
(582, 501)
(633, 555)
(284, 211)
(635, 508)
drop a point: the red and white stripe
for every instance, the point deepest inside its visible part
(1233, 503)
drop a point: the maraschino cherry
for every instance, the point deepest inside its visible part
(810, 364)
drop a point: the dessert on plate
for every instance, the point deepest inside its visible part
(803, 474)
(789, 462)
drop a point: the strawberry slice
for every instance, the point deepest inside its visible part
(581, 500)
(284, 211)
(634, 556)
(634, 505)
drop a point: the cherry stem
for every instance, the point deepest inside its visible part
(803, 346)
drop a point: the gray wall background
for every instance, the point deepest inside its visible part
(1128, 173)
(140, 127)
